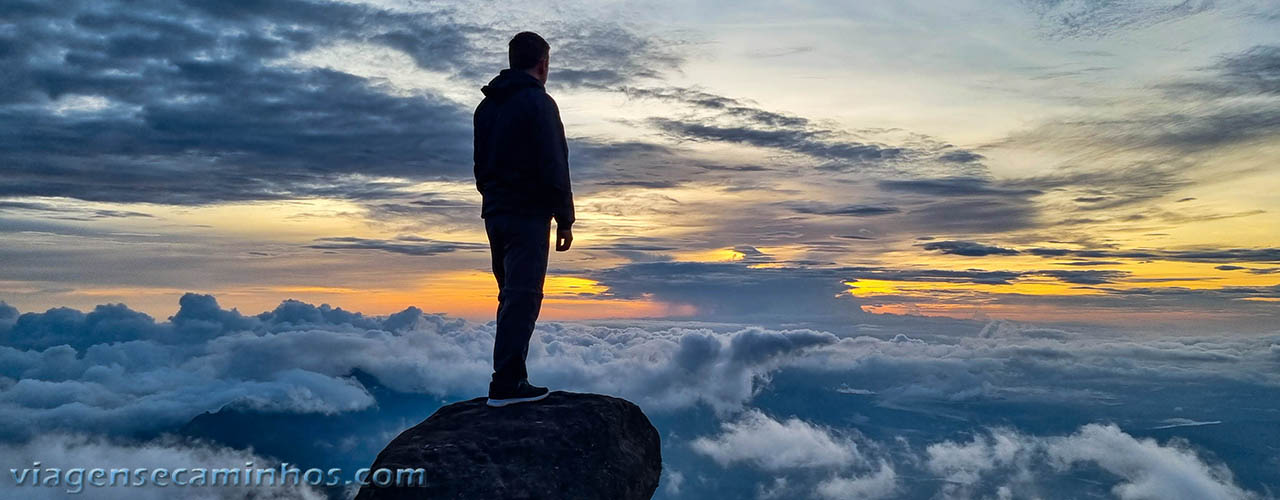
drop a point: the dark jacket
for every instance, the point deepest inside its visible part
(521, 156)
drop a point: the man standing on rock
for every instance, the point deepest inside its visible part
(522, 172)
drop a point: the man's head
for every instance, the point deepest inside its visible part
(529, 52)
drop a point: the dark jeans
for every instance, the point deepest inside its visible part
(519, 246)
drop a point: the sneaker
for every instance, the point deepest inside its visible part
(522, 392)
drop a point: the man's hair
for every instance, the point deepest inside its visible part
(526, 50)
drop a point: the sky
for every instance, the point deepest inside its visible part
(962, 249)
(1062, 161)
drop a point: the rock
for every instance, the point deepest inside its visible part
(569, 445)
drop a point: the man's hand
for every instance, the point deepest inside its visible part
(564, 237)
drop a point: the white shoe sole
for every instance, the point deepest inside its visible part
(504, 402)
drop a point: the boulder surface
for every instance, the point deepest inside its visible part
(569, 445)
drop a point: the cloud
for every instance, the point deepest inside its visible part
(764, 442)
(191, 103)
(202, 113)
(799, 141)
(953, 186)
(882, 483)
(734, 291)
(718, 118)
(1254, 71)
(106, 323)
(963, 465)
(968, 248)
(602, 54)
(965, 204)
(1150, 470)
(981, 216)
(1147, 469)
(67, 452)
(403, 244)
(1089, 277)
(1098, 18)
(1170, 139)
(119, 371)
(822, 295)
(849, 210)
(975, 249)
(133, 375)
(67, 212)
(671, 481)
(795, 448)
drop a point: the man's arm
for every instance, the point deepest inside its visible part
(554, 160)
(478, 149)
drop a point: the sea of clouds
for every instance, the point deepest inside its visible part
(111, 385)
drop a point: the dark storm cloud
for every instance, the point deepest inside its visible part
(186, 102)
(405, 244)
(968, 248)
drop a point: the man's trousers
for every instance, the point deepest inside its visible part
(519, 247)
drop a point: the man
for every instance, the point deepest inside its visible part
(522, 172)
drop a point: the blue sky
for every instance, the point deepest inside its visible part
(1023, 247)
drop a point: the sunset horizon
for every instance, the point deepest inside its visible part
(831, 249)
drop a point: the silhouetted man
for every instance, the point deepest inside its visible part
(522, 171)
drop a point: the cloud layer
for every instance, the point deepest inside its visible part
(124, 374)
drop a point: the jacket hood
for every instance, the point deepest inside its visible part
(508, 82)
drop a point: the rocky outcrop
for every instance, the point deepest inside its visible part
(569, 445)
